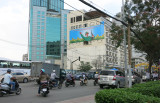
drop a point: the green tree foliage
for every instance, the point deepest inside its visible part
(85, 67)
(144, 17)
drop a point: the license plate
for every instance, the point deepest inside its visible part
(44, 89)
(105, 79)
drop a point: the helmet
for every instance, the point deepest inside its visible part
(9, 70)
(96, 72)
(54, 71)
(42, 70)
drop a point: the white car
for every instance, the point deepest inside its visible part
(111, 78)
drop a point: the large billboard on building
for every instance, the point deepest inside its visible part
(87, 34)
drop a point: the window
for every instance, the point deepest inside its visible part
(19, 73)
(43, 20)
(38, 12)
(43, 16)
(107, 73)
(38, 40)
(43, 13)
(38, 31)
(38, 16)
(37, 52)
(85, 25)
(42, 23)
(38, 27)
(38, 35)
(85, 42)
(38, 23)
(71, 20)
(38, 19)
(41, 52)
(42, 27)
(78, 18)
(76, 26)
(80, 26)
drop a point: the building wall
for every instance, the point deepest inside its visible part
(104, 48)
(45, 29)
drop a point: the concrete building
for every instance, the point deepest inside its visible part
(88, 37)
(45, 30)
(25, 57)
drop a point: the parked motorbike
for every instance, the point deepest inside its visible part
(83, 82)
(5, 89)
(52, 84)
(95, 82)
(44, 89)
(70, 82)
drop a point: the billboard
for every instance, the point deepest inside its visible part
(87, 34)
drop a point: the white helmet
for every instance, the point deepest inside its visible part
(54, 71)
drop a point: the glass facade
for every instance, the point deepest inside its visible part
(44, 29)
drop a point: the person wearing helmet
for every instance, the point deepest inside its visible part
(7, 79)
(54, 76)
(96, 77)
(69, 76)
(43, 78)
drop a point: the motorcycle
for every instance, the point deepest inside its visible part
(95, 82)
(5, 89)
(52, 84)
(44, 89)
(83, 82)
(70, 82)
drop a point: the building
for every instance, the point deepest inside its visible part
(25, 57)
(88, 37)
(45, 29)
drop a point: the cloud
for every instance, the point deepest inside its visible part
(111, 6)
(14, 28)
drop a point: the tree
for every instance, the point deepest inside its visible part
(144, 15)
(85, 67)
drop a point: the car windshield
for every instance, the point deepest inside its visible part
(107, 73)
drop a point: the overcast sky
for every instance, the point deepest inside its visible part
(14, 16)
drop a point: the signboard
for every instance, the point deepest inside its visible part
(87, 34)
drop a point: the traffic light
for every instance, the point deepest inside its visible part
(79, 58)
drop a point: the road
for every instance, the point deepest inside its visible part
(29, 93)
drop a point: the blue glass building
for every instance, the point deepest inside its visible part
(45, 29)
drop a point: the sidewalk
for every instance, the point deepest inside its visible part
(85, 99)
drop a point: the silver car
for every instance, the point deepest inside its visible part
(112, 78)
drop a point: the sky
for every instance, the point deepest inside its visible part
(14, 17)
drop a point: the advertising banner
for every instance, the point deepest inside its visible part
(87, 34)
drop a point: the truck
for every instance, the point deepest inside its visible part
(48, 67)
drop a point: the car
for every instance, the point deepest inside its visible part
(77, 76)
(21, 77)
(91, 75)
(111, 78)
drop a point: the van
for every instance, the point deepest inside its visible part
(111, 78)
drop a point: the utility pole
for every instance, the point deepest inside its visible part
(129, 53)
(72, 64)
(125, 55)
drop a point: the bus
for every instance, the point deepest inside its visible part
(15, 66)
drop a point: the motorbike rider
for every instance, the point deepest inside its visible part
(69, 76)
(96, 77)
(54, 76)
(43, 78)
(84, 77)
(7, 79)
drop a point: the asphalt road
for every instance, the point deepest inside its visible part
(29, 93)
